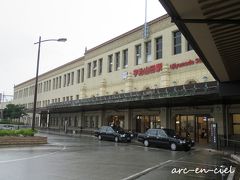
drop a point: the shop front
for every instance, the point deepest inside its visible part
(116, 120)
(236, 125)
(195, 126)
(144, 122)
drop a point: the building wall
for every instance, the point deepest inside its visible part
(169, 70)
(123, 79)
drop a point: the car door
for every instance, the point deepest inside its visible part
(162, 138)
(110, 133)
(151, 136)
(102, 132)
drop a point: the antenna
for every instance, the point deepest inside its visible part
(146, 30)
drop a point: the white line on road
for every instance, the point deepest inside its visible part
(32, 157)
(135, 176)
(231, 175)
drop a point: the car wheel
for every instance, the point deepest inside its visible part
(99, 137)
(173, 146)
(146, 143)
(116, 139)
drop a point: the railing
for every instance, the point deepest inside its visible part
(168, 92)
(69, 130)
(229, 145)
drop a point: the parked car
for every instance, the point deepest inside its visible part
(113, 133)
(8, 127)
(165, 138)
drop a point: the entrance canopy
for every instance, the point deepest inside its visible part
(184, 95)
(213, 29)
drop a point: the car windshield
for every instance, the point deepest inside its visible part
(118, 129)
(170, 132)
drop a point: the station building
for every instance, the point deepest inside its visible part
(135, 82)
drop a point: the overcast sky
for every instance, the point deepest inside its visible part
(85, 23)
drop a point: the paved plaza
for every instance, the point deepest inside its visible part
(86, 158)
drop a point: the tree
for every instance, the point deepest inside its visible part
(13, 111)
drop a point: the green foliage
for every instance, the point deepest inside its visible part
(20, 132)
(13, 111)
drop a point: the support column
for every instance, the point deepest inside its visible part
(103, 86)
(218, 115)
(48, 119)
(129, 83)
(83, 91)
(165, 76)
(101, 118)
(128, 123)
(163, 117)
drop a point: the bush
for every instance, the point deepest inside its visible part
(20, 132)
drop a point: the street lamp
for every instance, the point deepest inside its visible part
(36, 79)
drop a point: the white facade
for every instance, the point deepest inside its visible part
(127, 63)
(64, 84)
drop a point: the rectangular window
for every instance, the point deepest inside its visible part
(110, 63)
(159, 48)
(60, 81)
(177, 48)
(138, 54)
(89, 70)
(64, 80)
(189, 47)
(68, 79)
(53, 83)
(72, 78)
(49, 86)
(82, 75)
(125, 58)
(78, 76)
(100, 61)
(148, 51)
(56, 83)
(117, 61)
(94, 68)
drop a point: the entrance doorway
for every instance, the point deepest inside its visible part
(143, 123)
(195, 126)
(116, 120)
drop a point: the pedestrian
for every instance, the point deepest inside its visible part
(203, 133)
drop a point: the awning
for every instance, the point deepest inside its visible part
(213, 29)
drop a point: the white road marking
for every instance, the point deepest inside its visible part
(231, 175)
(134, 176)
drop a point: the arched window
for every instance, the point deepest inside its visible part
(115, 92)
(191, 81)
(146, 88)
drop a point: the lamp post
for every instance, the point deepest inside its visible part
(36, 79)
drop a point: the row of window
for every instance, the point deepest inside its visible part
(115, 62)
(88, 122)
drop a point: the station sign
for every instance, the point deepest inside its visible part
(158, 67)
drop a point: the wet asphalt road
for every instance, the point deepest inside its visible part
(86, 158)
